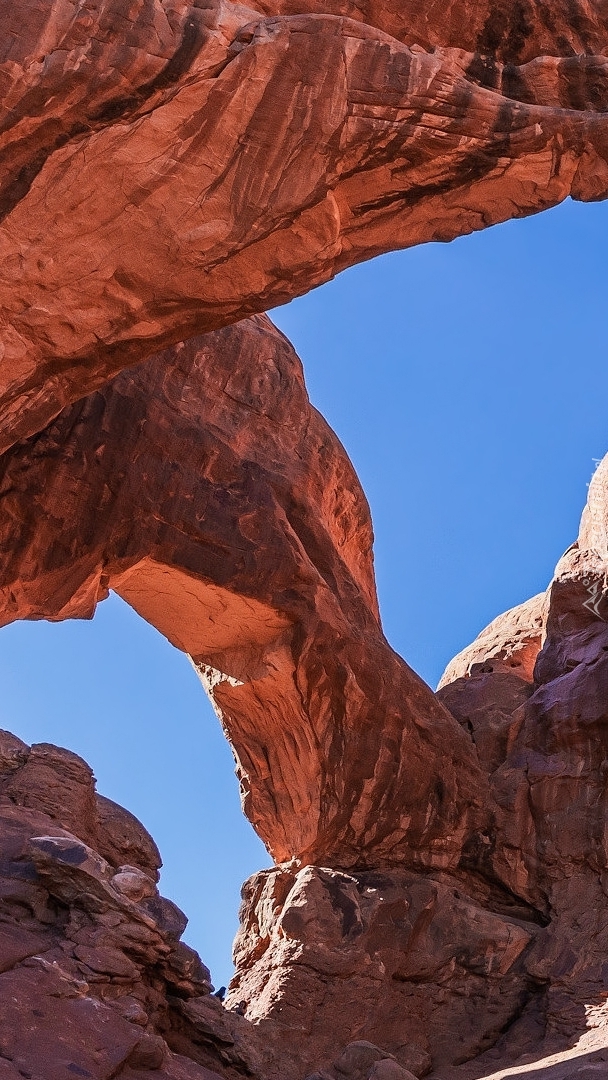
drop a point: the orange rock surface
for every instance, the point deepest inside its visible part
(442, 857)
(170, 167)
(510, 644)
(168, 170)
(497, 967)
(445, 907)
(205, 489)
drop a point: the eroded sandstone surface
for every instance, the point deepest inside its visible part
(168, 167)
(439, 903)
(205, 489)
(440, 895)
(498, 968)
(94, 980)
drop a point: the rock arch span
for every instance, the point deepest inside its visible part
(174, 168)
(168, 169)
(204, 488)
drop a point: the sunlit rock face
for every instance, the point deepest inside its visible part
(440, 893)
(543, 745)
(205, 489)
(510, 644)
(167, 168)
(500, 964)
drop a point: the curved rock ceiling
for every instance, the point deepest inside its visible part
(204, 488)
(168, 168)
(167, 171)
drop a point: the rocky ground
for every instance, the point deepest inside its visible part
(94, 981)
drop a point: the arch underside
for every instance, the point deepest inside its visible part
(172, 169)
(169, 170)
(204, 488)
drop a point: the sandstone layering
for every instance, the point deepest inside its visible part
(168, 167)
(442, 877)
(439, 900)
(205, 489)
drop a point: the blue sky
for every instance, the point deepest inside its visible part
(469, 384)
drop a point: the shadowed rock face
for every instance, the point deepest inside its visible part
(446, 900)
(513, 33)
(501, 964)
(94, 981)
(543, 745)
(204, 488)
(412, 963)
(167, 168)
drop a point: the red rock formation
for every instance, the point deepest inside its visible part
(510, 644)
(166, 169)
(94, 981)
(543, 746)
(457, 900)
(501, 963)
(513, 33)
(204, 488)
(428, 967)
(457, 906)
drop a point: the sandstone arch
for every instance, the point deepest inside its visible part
(175, 168)
(204, 488)
(168, 168)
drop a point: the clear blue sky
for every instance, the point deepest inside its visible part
(469, 384)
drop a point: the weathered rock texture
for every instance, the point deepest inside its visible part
(169, 167)
(94, 981)
(544, 748)
(509, 644)
(446, 892)
(500, 965)
(204, 488)
(410, 962)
